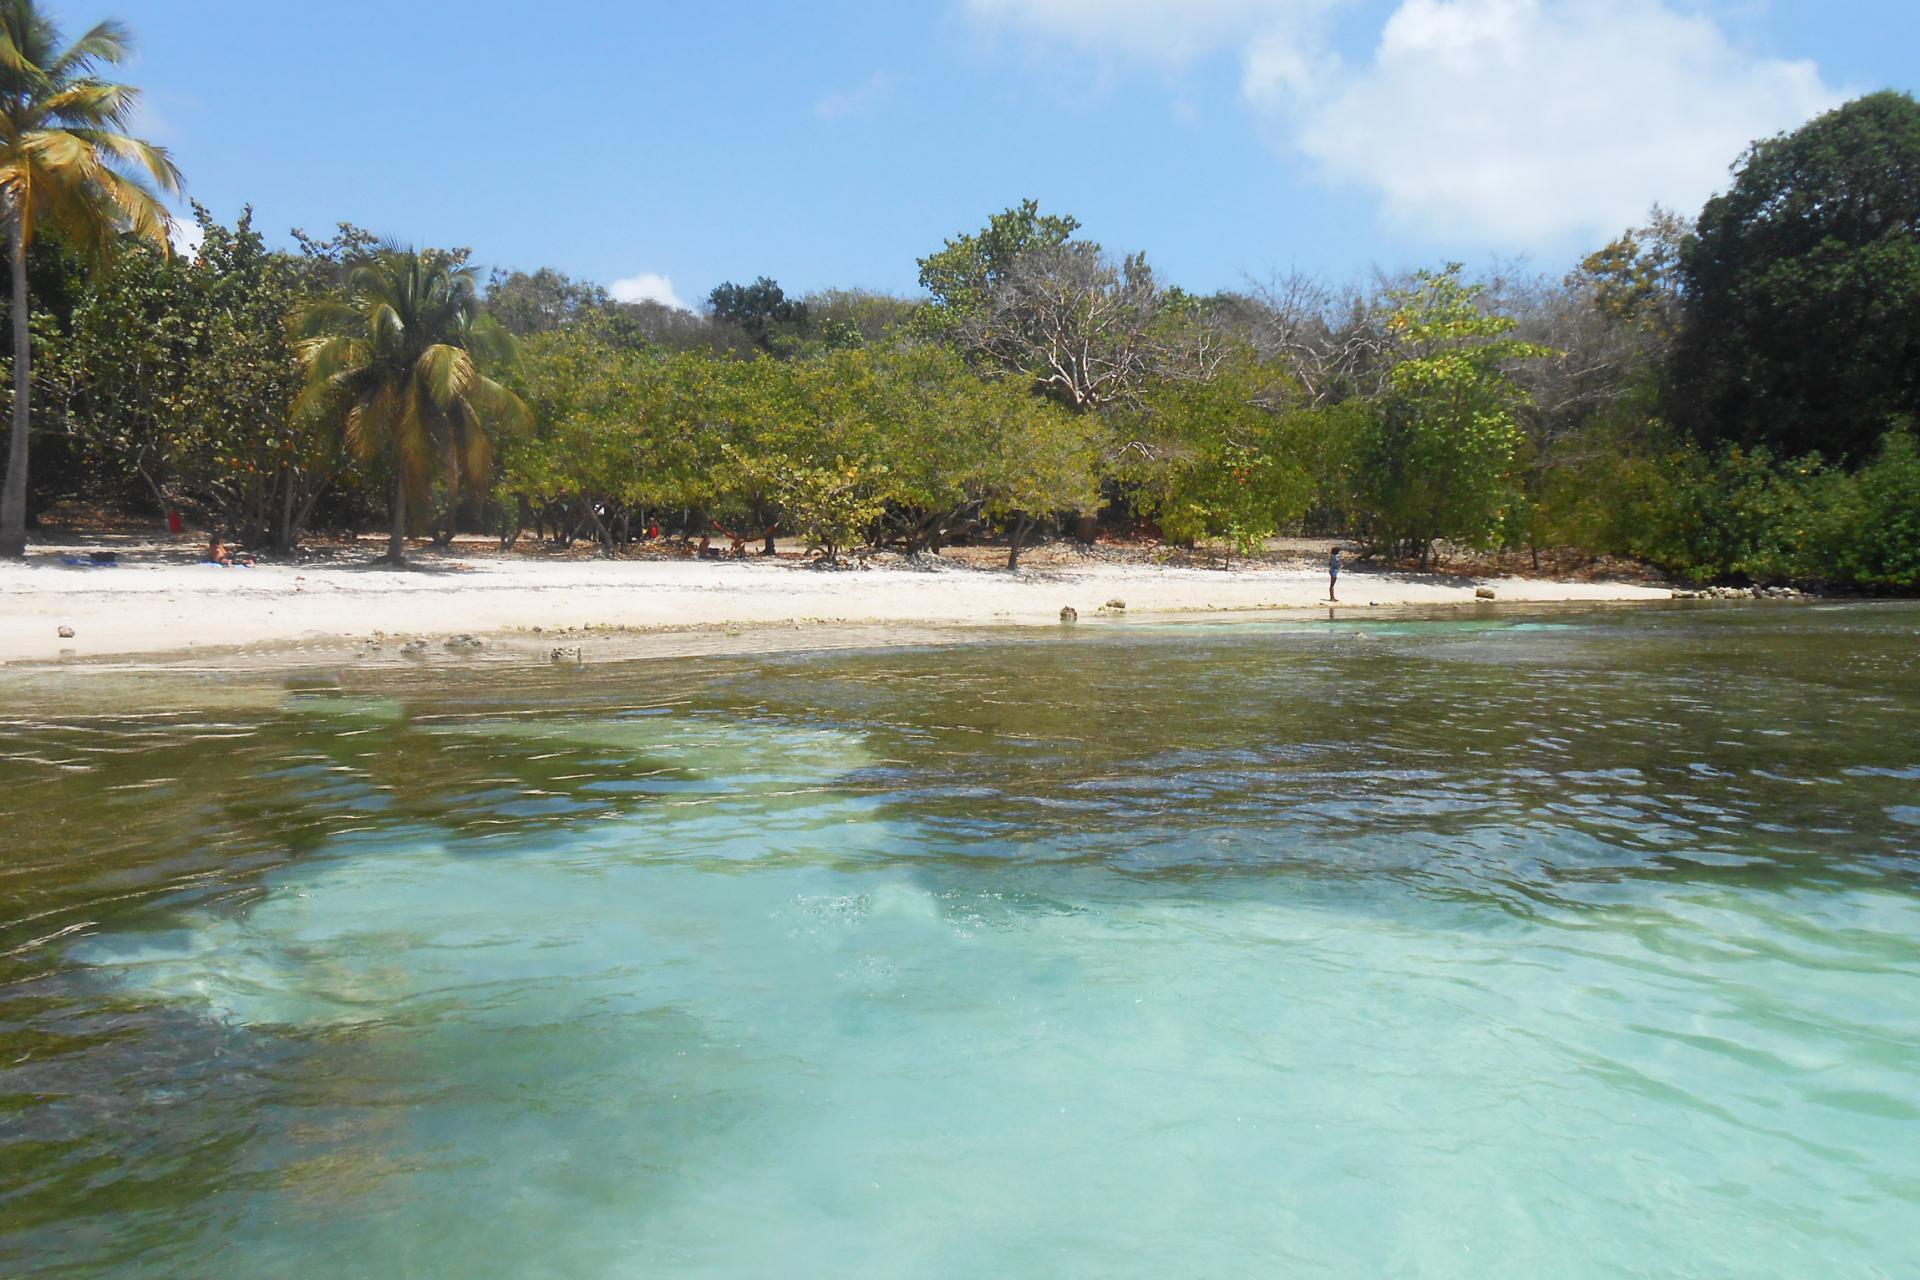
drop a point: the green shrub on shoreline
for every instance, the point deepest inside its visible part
(1742, 514)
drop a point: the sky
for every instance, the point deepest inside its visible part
(661, 148)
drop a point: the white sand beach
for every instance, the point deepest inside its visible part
(159, 603)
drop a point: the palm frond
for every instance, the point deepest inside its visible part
(492, 342)
(369, 279)
(324, 358)
(316, 402)
(54, 149)
(413, 437)
(17, 61)
(330, 398)
(324, 317)
(108, 42)
(143, 157)
(97, 104)
(472, 451)
(500, 408)
(76, 211)
(371, 418)
(140, 211)
(386, 328)
(447, 372)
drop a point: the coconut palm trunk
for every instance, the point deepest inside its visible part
(397, 539)
(13, 500)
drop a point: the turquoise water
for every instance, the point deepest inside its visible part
(1581, 945)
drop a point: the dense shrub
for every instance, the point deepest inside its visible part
(1742, 514)
(1865, 527)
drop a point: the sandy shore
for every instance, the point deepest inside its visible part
(161, 604)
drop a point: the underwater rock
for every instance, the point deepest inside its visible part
(1483, 593)
(1069, 614)
(566, 653)
(465, 643)
(1117, 605)
(65, 632)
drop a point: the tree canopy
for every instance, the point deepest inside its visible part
(396, 366)
(762, 310)
(962, 275)
(1803, 289)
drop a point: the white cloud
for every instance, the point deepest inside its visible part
(1526, 122)
(1529, 121)
(648, 286)
(1279, 65)
(848, 102)
(186, 235)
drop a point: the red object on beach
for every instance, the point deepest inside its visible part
(174, 523)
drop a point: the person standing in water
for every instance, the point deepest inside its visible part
(1333, 576)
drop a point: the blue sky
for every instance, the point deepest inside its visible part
(670, 146)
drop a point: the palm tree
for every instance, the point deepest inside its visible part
(66, 166)
(395, 366)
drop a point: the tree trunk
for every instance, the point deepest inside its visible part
(510, 521)
(257, 522)
(305, 513)
(397, 540)
(159, 497)
(601, 534)
(284, 542)
(13, 499)
(1013, 547)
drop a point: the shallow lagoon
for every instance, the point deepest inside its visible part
(1583, 944)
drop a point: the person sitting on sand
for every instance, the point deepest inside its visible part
(221, 554)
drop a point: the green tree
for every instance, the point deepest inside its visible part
(113, 374)
(859, 317)
(1608, 326)
(237, 445)
(962, 449)
(1042, 463)
(1803, 289)
(542, 301)
(1224, 457)
(1437, 461)
(1636, 280)
(1866, 530)
(68, 167)
(940, 459)
(1022, 296)
(762, 310)
(398, 365)
(833, 505)
(182, 373)
(963, 274)
(818, 446)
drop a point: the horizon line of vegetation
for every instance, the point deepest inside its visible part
(1725, 397)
